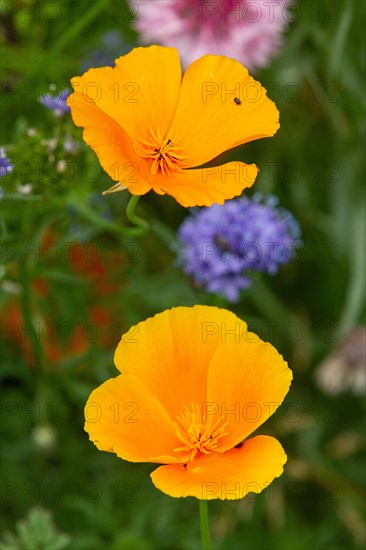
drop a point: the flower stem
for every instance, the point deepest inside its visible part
(205, 526)
(26, 281)
(141, 225)
(82, 208)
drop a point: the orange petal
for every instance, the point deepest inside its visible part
(123, 417)
(247, 381)
(209, 121)
(141, 91)
(111, 144)
(170, 353)
(232, 475)
(203, 187)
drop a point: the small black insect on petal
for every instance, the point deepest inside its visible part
(237, 101)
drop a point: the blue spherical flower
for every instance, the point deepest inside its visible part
(5, 164)
(221, 246)
(57, 103)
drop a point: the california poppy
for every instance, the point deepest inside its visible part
(153, 129)
(194, 384)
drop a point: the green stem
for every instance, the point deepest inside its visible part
(205, 526)
(141, 225)
(355, 298)
(25, 279)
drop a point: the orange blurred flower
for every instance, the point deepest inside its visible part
(47, 332)
(153, 129)
(62, 336)
(194, 385)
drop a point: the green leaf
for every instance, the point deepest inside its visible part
(36, 532)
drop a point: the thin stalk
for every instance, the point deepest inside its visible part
(25, 279)
(141, 225)
(205, 526)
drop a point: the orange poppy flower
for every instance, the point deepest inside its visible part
(194, 385)
(153, 129)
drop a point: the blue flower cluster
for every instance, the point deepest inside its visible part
(5, 165)
(221, 246)
(57, 103)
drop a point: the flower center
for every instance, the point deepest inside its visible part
(196, 435)
(164, 153)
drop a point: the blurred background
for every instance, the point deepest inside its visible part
(73, 282)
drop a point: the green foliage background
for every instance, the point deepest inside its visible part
(314, 164)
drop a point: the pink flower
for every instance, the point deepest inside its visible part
(249, 31)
